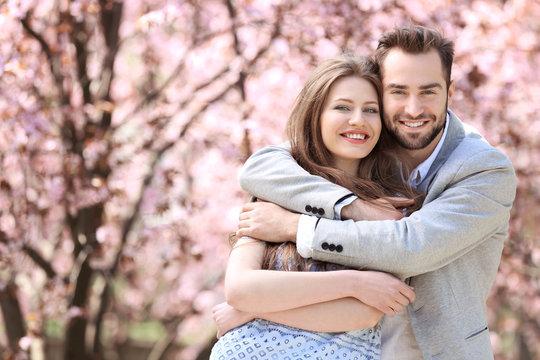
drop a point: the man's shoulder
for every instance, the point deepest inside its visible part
(467, 145)
(477, 151)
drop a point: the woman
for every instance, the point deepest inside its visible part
(335, 131)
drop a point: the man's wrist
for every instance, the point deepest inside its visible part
(293, 227)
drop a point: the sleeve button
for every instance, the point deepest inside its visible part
(308, 208)
(324, 245)
(339, 248)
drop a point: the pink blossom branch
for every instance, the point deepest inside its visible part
(54, 61)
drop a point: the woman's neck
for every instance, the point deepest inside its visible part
(349, 166)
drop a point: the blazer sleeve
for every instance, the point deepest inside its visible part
(272, 174)
(468, 203)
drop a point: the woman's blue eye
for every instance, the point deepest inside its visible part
(341, 107)
(371, 110)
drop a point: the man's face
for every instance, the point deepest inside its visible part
(415, 98)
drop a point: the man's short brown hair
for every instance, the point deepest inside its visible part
(416, 39)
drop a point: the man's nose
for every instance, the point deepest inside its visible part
(414, 106)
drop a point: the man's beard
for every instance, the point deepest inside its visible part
(416, 141)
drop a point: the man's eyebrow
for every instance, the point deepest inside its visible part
(430, 86)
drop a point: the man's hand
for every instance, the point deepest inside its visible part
(381, 209)
(267, 221)
(228, 318)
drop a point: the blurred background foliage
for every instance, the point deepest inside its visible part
(124, 124)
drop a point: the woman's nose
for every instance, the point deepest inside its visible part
(357, 117)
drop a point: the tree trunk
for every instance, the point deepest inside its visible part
(75, 347)
(88, 221)
(13, 318)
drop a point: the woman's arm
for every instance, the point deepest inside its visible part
(332, 316)
(252, 290)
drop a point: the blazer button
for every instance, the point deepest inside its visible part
(308, 208)
(332, 247)
(321, 212)
(339, 248)
(324, 245)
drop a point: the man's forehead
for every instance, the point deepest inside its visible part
(405, 69)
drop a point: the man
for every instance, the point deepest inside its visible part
(450, 249)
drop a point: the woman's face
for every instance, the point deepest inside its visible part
(350, 121)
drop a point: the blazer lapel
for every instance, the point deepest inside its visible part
(455, 135)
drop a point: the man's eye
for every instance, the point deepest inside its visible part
(397, 92)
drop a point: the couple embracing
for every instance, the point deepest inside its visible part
(396, 217)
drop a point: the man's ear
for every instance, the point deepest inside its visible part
(451, 92)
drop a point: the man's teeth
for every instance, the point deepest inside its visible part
(356, 136)
(414, 124)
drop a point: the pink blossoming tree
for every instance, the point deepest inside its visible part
(124, 123)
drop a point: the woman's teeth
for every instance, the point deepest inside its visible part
(356, 136)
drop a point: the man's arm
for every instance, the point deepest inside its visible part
(273, 175)
(469, 202)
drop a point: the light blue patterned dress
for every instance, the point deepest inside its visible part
(261, 340)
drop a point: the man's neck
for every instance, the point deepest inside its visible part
(412, 158)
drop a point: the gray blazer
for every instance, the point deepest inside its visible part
(451, 248)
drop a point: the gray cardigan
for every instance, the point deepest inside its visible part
(451, 248)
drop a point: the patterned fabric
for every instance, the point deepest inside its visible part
(262, 340)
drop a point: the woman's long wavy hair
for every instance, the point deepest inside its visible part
(378, 173)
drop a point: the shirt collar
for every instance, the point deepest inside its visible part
(419, 173)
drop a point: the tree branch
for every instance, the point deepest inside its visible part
(241, 83)
(111, 17)
(35, 256)
(161, 346)
(41, 262)
(54, 62)
(79, 39)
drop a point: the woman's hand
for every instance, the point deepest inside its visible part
(228, 318)
(382, 291)
(387, 208)
(267, 221)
